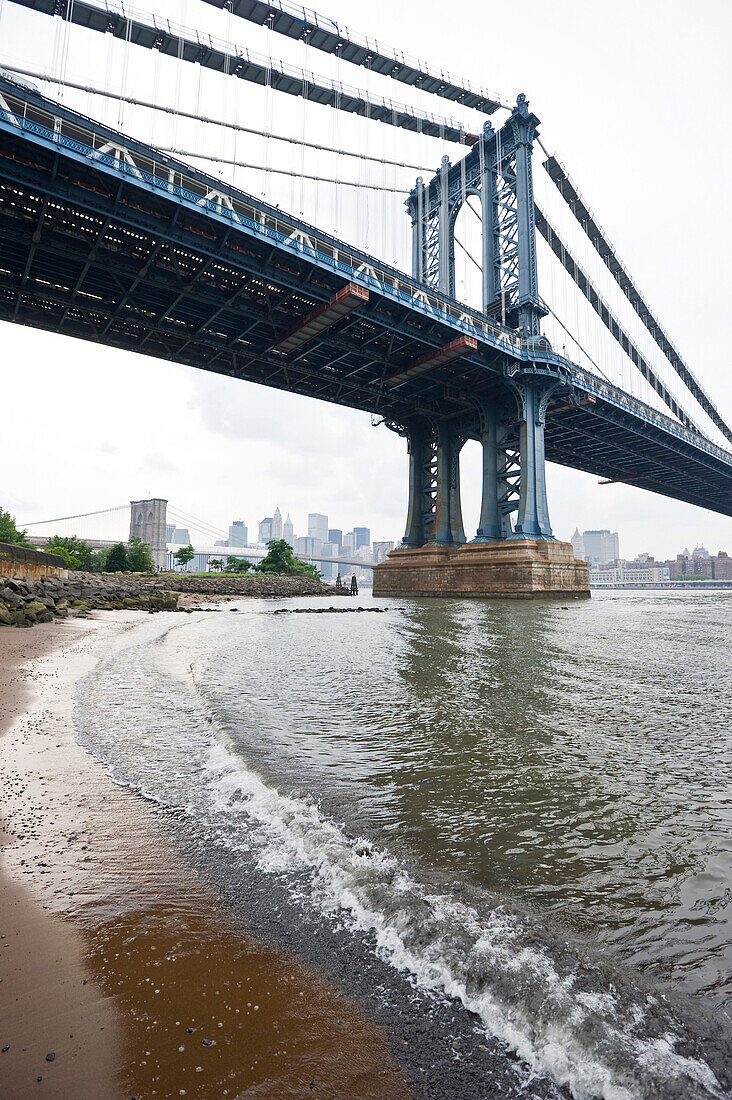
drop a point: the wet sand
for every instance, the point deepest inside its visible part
(115, 959)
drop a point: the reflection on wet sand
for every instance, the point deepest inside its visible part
(118, 962)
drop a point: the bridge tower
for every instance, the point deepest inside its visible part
(148, 519)
(513, 547)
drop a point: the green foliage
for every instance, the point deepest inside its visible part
(99, 561)
(9, 532)
(76, 553)
(117, 559)
(280, 559)
(139, 555)
(215, 564)
(235, 564)
(184, 555)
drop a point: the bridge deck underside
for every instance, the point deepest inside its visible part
(94, 258)
(604, 440)
(91, 256)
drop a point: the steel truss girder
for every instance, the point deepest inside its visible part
(430, 335)
(498, 170)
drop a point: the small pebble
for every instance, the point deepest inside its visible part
(50, 1056)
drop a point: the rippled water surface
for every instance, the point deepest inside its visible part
(578, 756)
(571, 763)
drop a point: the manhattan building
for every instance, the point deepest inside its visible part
(238, 533)
(288, 531)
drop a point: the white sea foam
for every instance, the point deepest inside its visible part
(579, 1037)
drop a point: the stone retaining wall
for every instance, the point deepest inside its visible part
(21, 561)
(232, 585)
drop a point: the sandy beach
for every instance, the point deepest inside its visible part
(123, 974)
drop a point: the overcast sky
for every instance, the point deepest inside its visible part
(634, 98)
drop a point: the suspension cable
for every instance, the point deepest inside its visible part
(334, 38)
(597, 237)
(284, 171)
(193, 46)
(81, 515)
(214, 121)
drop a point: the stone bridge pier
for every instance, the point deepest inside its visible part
(513, 553)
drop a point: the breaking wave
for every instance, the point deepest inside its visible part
(564, 1014)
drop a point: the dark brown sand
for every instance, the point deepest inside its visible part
(118, 961)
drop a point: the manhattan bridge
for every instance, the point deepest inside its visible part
(168, 190)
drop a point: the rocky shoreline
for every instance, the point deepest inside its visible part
(25, 602)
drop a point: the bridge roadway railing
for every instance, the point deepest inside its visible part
(595, 385)
(128, 157)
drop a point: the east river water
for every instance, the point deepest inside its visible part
(525, 807)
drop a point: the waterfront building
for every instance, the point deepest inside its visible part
(238, 533)
(318, 526)
(288, 531)
(277, 524)
(702, 564)
(601, 546)
(612, 574)
(336, 536)
(265, 529)
(203, 555)
(362, 536)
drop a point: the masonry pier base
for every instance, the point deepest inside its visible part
(520, 569)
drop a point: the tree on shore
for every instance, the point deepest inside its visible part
(184, 555)
(280, 559)
(9, 532)
(215, 564)
(76, 553)
(235, 564)
(117, 559)
(139, 555)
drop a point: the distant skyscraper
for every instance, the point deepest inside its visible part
(318, 526)
(349, 541)
(336, 536)
(578, 545)
(288, 531)
(238, 534)
(328, 570)
(601, 546)
(307, 545)
(362, 536)
(277, 524)
(265, 529)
